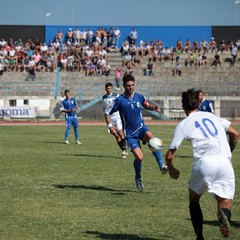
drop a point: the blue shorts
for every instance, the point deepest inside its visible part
(71, 122)
(133, 140)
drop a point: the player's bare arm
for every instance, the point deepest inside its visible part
(233, 137)
(173, 172)
(149, 106)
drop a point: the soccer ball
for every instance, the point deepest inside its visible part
(155, 144)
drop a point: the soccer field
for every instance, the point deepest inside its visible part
(54, 191)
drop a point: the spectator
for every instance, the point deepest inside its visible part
(69, 36)
(238, 44)
(234, 55)
(31, 74)
(91, 69)
(89, 37)
(179, 45)
(127, 60)
(216, 61)
(195, 46)
(117, 78)
(59, 37)
(112, 48)
(149, 70)
(116, 36)
(133, 36)
(77, 35)
(106, 69)
(204, 45)
(187, 46)
(212, 45)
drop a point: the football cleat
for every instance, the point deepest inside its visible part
(124, 154)
(164, 169)
(224, 223)
(139, 184)
(77, 142)
(66, 142)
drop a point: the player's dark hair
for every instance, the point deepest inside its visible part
(200, 91)
(128, 78)
(108, 84)
(190, 100)
(66, 91)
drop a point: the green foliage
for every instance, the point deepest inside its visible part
(54, 191)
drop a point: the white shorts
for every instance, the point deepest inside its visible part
(215, 174)
(117, 123)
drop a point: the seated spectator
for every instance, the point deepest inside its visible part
(187, 46)
(149, 70)
(113, 47)
(127, 60)
(199, 60)
(216, 61)
(204, 45)
(177, 70)
(141, 49)
(133, 49)
(125, 48)
(106, 69)
(31, 74)
(178, 45)
(190, 60)
(91, 69)
(154, 54)
(212, 45)
(223, 46)
(204, 60)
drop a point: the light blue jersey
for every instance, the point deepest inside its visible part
(130, 110)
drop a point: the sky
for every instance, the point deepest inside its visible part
(121, 13)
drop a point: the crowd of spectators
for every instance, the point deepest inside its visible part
(86, 51)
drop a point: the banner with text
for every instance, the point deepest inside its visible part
(18, 112)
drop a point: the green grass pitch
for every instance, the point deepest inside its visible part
(49, 190)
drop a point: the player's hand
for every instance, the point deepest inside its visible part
(174, 173)
(156, 108)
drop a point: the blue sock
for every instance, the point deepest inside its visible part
(137, 166)
(76, 133)
(158, 156)
(67, 133)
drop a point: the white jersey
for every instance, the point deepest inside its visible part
(206, 132)
(107, 104)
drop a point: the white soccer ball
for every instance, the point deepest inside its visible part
(155, 144)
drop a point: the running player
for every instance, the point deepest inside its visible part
(69, 107)
(212, 167)
(130, 104)
(107, 104)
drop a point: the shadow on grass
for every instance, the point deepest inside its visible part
(92, 187)
(179, 156)
(122, 236)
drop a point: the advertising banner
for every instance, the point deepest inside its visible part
(18, 112)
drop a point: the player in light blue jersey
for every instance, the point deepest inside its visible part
(206, 105)
(69, 107)
(130, 105)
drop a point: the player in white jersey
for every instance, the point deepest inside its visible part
(107, 104)
(212, 167)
